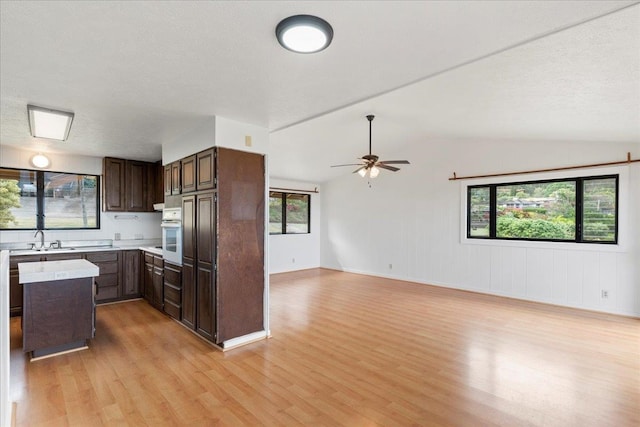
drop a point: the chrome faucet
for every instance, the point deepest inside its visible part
(41, 238)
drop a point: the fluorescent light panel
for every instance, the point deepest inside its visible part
(49, 124)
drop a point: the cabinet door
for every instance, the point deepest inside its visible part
(136, 186)
(167, 180)
(131, 273)
(176, 185)
(205, 265)
(113, 171)
(189, 227)
(15, 288)
(15, 293)
(158, 284)
(188, 165)
(206, 170)
(148, 282)
(188, 261)
(188, 294)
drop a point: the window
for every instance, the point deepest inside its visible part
(42, 200)
(289, 213)
(581, 210)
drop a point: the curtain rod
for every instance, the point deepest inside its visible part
(622, 162)
(315, 190)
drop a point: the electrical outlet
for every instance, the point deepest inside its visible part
(247, 141)
(605, 293)
(390, 266)
(116, 236)
(293, 260)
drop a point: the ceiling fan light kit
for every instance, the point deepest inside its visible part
(370, 165)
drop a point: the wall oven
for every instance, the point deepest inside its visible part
(172, 235)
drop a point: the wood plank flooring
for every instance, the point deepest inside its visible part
(346, 350)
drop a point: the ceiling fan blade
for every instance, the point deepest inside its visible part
(394, 162)
(390, 168)
(349, 164)
(360, 168)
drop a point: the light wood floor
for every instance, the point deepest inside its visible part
(346, 350)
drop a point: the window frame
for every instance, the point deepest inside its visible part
(40, 201)
(283, 202)
(579, 207)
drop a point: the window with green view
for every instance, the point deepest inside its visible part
(582, 210)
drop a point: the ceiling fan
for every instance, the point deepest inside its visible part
(370, 164)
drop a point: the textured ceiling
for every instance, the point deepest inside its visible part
(140, 73)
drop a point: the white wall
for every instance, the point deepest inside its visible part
(291, 252)
(138, 225)
(408, 226)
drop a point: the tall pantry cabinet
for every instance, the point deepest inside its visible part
(223, 245)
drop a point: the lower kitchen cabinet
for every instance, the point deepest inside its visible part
(15, 289)
(152, 279)
(172, 290)
(108, 282)
(130, 273)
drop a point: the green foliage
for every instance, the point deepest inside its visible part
(9, 198)
(597, 231)
(526, 228)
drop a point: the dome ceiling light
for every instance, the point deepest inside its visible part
(304, 33)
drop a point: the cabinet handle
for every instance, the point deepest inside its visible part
(97, 287)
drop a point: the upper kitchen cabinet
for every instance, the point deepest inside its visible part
(198, 171)
(188, 165)
(206, 170)
(113, 171)
(136, 186)
(172, 179)
(129, 185)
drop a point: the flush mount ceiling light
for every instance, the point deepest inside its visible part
(40, 161)
(304, 33)
(48, 123)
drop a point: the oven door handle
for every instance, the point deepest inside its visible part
(171, 225)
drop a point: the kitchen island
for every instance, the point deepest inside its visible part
(59, 305)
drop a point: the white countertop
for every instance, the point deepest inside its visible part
(46, 271)
(152, 249)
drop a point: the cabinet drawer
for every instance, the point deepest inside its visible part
(148, 258)
(102, 256)
(105, 280)
(107, 267)
(172, 276)
(158, 261)
(60, 257)
(106, 292)
(171, 293)
(172, 309)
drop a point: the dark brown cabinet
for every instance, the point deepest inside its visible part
(108, 282)
(188, 261)
(223, 247)
(206, 170)
(15, 289)
(113, 182)
(172, 179)
(130, 185)
(130, 273)
(119, 277)
(172, 290)
(176, 184)
(205, 265)
(136, 176)
(153, 276)
(188, 166)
